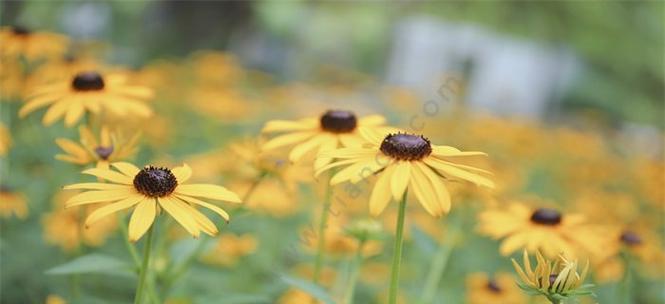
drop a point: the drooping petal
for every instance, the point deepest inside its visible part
(112, 208)
(423, 191)
(142, 219)
(380, 196)
(212, 207)
(205, 224)
(181, 215)
(360, 170)
(287, 139)
(324, 148)
(450, 171)
(208, 191)
(182, 173)
(400, 179)
(301, 149)
(440, 191)
(91, 197)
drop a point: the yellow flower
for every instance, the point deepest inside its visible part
(151, 189)
(404, 161)
(62, 227)
(20, 41)
(60, 69)
(335, 128)
(554, 279)
(55, 299)
(538, 229)
(5, 140)
(11, 79)
(639, 243)
(12, 203)
(297, 296)
(88, 91)
(230, 248)
(109, 148)
(500, 288)
(226, 105)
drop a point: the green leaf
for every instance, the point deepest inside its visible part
(309, 287)
(92, 263)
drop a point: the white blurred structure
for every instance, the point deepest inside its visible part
(504, 75)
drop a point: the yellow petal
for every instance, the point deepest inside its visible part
(212, 207)
(90, 197)
(372, 120)
(527, 263)
(38, 102)
(205, 224)
(301, 149)
(105, 137)
(423, 191)
(513, 242)
(72, 148)
(182, 173)
(353, 152)
(325, 147)
(110, 176)
(181, 215)
(95, 186)
(87, 138)
(74, 113)
(142, 219)
(440, 191)
(521, 273)
(127, 169)
(450, 171)
(362, 169)
(334, 165)
(208, 191)
(112, 208)
(289, 125)
(54, 112)
(287, 139)
(400, 179)
(380, 196)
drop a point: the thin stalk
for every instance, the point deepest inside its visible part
(130, 247)
(355, 271)
(438, 266)
(397, 255)
(318, 261)
(144, 268)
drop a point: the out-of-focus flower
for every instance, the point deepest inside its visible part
(230, 248)
(18, 41)
(649, 179)
(5, 140)
(323, 134)
(216, 69)
(110, 147)
(270, 196)
(12, 203)
(401, 161)
(539, 229)
(11, 80)
(556, 280)
(340, 242)
(147, 189)
(482, 288)
(88, 92)
(60, 69)
(226, 105)
(63, 227)
(638, 244)
(55, 299)
(297, 296)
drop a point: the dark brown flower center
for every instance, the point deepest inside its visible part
(630, 238)
(546, 216)
(104, 152)
(20, 30)
(155, 182)
(553, 278)
(493, 286)
(406, 146)
(88, 81)
(337, 121)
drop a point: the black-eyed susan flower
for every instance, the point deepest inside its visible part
(108, 147)
(404, 161)
(88, 92)
(482, 288)
(149, 190)
(539, 229)
(5, 140)
(332, 130)
(637, 243)
(12, 203)
(20, 41)
(556, 280)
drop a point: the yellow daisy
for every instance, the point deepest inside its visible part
(482, 288)
(20, 41)
(12, 203)
(151, 189)
(110, 147)
(335, 128)
(404, 161)
(538, 229)
(5, 140)
(88, 91)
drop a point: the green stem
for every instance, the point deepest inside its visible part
(130, 247)
(397, 255)
(318, 262)
(355, 271)
(144, 268)
(438, 266)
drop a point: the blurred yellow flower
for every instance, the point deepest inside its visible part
(230, 248)
(63, 227)
(110, 147)
(148, 190)
(12, 203)
(482, 288)
(640, 244)
(11, 80)
(18, 41)
(556, 280)
(404, 161)
(5, 140)
(55, 299)
(60, 69)
(216, 69)
(297, 296)
(339, 242)
(226, 105)
(334, 129)
(88, 91)
(538, 229)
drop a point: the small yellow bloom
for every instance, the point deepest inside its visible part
(557, 279)
(18, 41)
(230, 248)
(12, 203)
(482, 288)
(149, 190)
(90, 92)
(297, 296)
(55, 299)
(108, 147)
(404, 161)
